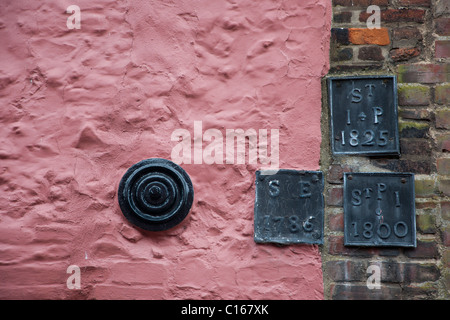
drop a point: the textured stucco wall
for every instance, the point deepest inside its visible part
(80, 106)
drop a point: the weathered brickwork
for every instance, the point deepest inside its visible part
(411, 43)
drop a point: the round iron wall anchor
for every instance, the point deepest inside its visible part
(155, 194)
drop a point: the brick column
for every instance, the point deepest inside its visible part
(412, 43)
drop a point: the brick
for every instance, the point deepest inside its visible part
(344, 3)
(444, 187)
(446, 258)
(362, 292)
(336, 173)
(355, 67)
(362, 3)
(397, 15)
(426, 249)
(403, 54)
(342, 17)
(336, 222)
(443, 142)
(426, 205)
(426, 223)
(366, 3)
(419, 3)
(340, 36)
(346, 270)
(413, 95)
(442, 26)
(425, 188)
(443, 165)
(369, 36)
(391, 271)
(335, 197)
(446, 281)
(407, 273)
(344, 54)
(404, 165)
(418, 147)
(420, 272)
(372, 53)
(388, 252)
(445, 210)
(442, 93)
(336, 247)
(442, 49)
(443, 118)
(406, 37)
(445, 235)
(415, 114)
(423, 73)
(410, 129)
(403, 15)
(415, 166)
(420, 291)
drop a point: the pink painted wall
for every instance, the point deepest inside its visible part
(79, 107)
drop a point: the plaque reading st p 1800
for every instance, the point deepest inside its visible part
(379, 209)
(363, 115)
(289, 207)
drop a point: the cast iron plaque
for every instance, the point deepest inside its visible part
(379, 209)
(289, 207)
(155, 194)
(363, 115)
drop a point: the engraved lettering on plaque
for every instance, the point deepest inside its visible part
(364, 115)
(289, 207)
(379, 209)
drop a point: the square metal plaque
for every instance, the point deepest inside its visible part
(289, 207)
(363, 115)
(379, 209)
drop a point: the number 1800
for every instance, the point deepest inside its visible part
(383, 230)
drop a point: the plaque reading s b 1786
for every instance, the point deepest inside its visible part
(289, 207)
(363, 115)
(379, 209)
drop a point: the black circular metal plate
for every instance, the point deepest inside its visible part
(155, 194)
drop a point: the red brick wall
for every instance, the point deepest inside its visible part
(412, 43)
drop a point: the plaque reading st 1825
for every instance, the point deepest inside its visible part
(289, 207)
(363, 112)
(379, 209)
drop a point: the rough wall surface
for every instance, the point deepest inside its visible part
(80, 106)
